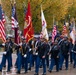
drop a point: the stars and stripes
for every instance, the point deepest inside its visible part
(14, 18)
(64, 32)
(54, 33)
(2, 27)
(15, 25)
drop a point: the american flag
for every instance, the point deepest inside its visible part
(72, 32)
(14, 18)
(54, 33)
(64, 32)
(15, 26)
(2, 27)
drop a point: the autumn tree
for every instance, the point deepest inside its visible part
(58, 9)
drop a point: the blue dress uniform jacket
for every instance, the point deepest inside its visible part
(42, 50)
(25, 48)
(55, 51)
(54, 58)
(65, 47)
(22, 59)
(8, 48)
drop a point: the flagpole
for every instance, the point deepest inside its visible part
(53, 19)
(69, 19)
(16, 30)
(0, 2)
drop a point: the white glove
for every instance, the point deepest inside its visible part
(3, 44)
(4, 53)
(36, 53)
(20, 44)
(71, 50)
(74, 51)
(25, 56)
(30, 49)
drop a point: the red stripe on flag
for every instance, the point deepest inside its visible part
(54, 33)
(2, 31)
(64, 32)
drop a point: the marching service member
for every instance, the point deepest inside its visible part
(22, 56)
(54, 56)
(6, 54)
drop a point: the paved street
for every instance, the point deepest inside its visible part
(71, 70)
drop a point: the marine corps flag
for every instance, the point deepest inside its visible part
(28, 28)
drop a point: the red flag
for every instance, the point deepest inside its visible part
(28, 28)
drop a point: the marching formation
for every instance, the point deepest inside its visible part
(37, 53)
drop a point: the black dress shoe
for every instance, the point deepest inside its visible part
(49, 71)
(29, 69)
(4, 66)
(60, 68)
(40, 66)
(18, 72)
(0, 70)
